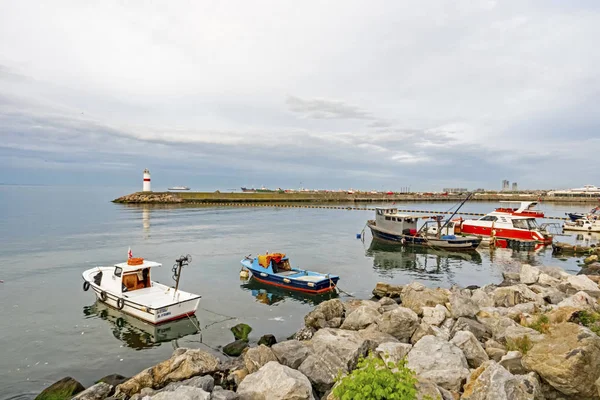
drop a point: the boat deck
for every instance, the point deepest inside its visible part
(157, 296)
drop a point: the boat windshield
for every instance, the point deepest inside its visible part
(528, 223)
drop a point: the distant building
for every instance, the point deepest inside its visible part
(479, 190)
(455, 190)
(505, 184)
(514, 187)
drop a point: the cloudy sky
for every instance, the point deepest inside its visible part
(337, 94)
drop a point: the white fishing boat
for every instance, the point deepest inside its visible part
(174, 188)
(589, 223)
(127, 287)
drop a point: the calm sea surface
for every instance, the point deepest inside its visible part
(51, 328)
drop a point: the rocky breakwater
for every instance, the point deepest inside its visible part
(532, 337)
(149, 198)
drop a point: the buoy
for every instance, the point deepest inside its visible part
(359, 235)
(244, 274)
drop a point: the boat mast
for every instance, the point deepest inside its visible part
(180, 263)
(456, 211)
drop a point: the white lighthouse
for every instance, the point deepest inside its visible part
(146, 187)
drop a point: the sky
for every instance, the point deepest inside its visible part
(376, 95)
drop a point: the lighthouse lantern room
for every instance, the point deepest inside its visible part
(146, 187)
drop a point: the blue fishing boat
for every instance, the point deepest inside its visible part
(274, 269)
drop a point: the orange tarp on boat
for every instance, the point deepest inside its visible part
(265, 260)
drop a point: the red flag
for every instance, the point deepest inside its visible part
(129, 253)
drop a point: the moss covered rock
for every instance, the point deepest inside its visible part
(64, 389)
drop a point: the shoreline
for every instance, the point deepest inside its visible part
(212, 198)
(532, 336)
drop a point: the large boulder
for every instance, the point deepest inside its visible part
(550, 294)
(274, 381)
(580, 300)
(374, 337)
(568, 358)
(182, 393)
(461, 305)
(183, 364)
(471, 347)
(351, 305)
(581, 282)
(332, 351)
(221, 394)
(327, 314)
(383, 289)
(99, 391)
(435, 315)
(482, 298)
(256, 357)
(423, 330)
(291, 353)
(547, 280)
(481, 332)
(392, 351)
(416, 296)
(401, 323)
(63, 389)
(492, 382)
(360, 318)
(510, 296)
(529, 274)
(439, 361)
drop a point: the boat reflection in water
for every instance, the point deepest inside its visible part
(271, 295)
(138, 334)
(389, 259)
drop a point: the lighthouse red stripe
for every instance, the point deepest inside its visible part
(146, 179)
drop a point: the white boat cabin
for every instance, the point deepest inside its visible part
(127, 278)
(390, 220)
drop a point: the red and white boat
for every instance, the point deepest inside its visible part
(503, 224)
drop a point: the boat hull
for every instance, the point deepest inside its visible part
(154, 316)
(500, 233)
(287, 282)
(458, 244)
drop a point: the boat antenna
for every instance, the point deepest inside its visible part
(181, 262)
(456, 211)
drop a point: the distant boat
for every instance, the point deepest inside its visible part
(179, 188)
(261, 190)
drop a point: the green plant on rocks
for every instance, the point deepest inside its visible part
(522, 344)
(541, 324)
(375, 380)
(588, 319)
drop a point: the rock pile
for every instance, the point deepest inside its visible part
(149, 198)
(532, 337)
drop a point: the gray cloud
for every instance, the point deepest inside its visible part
(326, 109)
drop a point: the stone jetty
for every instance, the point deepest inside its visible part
(532, 337)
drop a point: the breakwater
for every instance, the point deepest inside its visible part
(533, 336)
(277, 197)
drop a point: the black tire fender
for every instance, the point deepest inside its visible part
(86, 286)
(120, 303)
(103, 296)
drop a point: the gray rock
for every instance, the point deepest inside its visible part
(99, 391)
(481, 298)
(113, 379)
(513, 277)
(494, 350)
(531, 381)
(401, 323)
(205, 382)
(580, 300)
(427, 390)
(375, 337)
(581, 282)
(256, 357)
(550, 294)
(555, 272)
(182, 393)
(416, 296)
(392, 352)
(360, 318)
(304, 333)
(471, 347)
(221, 394)
(351, 305)
(439, 361)
(423, 330)
(445, 329)
(510, 296)
(435, 315)
(291, 353)
(529, 274)
(274, 381)
(480, 331)
(512, 362)
(492, 381)
(462, 306)
(383, 289)
(236, 348)
(326, 313)
(547, 280)
(332, 351)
